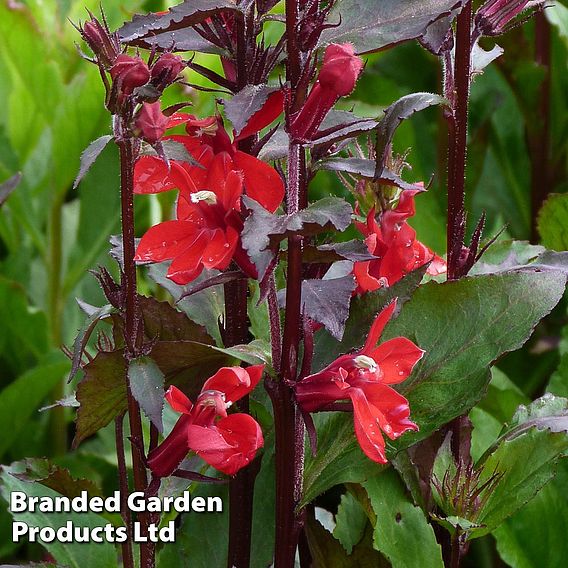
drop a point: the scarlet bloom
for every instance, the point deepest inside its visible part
(129, 72)
(337, 78)
(151, 122)
(206, 231)
(226, 442)
(393, 241)
(207, 138)
(363, 377)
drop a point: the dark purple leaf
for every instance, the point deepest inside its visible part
(339, 132)
(178, 17)
(222, 278)
(263, 231)
(366, 168)
(101, 394)
(327, 302)
(146, 382)
(95, 315)
(362, 313)
(171, 150)
(402, 109)
(90, 155)
(186, 39)
(37, 470)
(7, 187)
(438, 37)
(351, 250)
(372, 25)
(245, 104)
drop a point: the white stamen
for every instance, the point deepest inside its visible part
(364, 362)
(204, 195)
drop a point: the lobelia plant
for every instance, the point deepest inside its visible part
(270, 333)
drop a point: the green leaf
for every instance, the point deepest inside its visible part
(350, 522)
(339, 458)
(371, 26)
(488, 316)
(402, 532)
(254, 353)
(73, 555)
(552, 222)
(147, 386)
(535, 536)
(21, 398)
(206, 308)
(539, 431)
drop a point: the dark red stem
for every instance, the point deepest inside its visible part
(127, 557)
(288, 423)
(131, 318)
(457, 142)
(241, 487)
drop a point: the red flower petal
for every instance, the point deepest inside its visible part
(396, 359)
(220, 248)
(228, 446)
(178, 401)
(187, 265)
(367, 427)
(235, 382)
(165, 459)
(377, 328)
(167, 240)
(270, 111)
(262, 182)
(151, 176)
(393, 407)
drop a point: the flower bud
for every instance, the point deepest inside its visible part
(337, 78)
(341, 69)
(103, 44)
(166, 69)
(129, 72)
(151, 123)
(492, 18)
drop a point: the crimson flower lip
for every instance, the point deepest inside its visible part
(396, 247)
(364, 378)
(226, 442)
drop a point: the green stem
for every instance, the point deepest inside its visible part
(57, 421)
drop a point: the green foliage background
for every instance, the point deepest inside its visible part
(50, 235)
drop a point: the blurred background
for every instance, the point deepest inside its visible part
(51, 108)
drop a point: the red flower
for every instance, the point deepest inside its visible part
(226, 442)
(206, 139)
(151, 123)
(206, 231)
(394, 243)
(337, 78)
(364, 377)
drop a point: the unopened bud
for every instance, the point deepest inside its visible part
(492, 18)
(103, 44)
(341, 69)
(166, 70)
(129, 72)
(151, 123)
